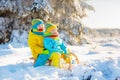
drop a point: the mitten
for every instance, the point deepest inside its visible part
(45, 51)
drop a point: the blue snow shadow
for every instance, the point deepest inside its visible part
(91, 53)
(110, 45)
(16, 67)
(14, 71)
(4, 52)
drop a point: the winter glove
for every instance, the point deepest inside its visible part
(45, 51)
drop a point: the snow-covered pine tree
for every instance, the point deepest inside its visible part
(67, 14)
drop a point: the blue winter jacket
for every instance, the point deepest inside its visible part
(55, 45)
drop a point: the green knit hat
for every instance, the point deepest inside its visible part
(36, 23)
(50, 26)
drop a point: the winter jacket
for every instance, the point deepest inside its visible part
(35, 42)
(55, 45)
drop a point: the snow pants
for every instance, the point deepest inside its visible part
(42, 59)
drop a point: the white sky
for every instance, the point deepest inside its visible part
(106, 15)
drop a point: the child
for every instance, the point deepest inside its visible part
(35, 38)
(53, 43)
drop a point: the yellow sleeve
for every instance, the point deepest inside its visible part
(35, 42)
(37, 49)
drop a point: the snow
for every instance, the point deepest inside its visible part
(99, 60)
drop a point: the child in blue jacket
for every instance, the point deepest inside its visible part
(54, 43)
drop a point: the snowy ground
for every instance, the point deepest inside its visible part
(99, 60)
